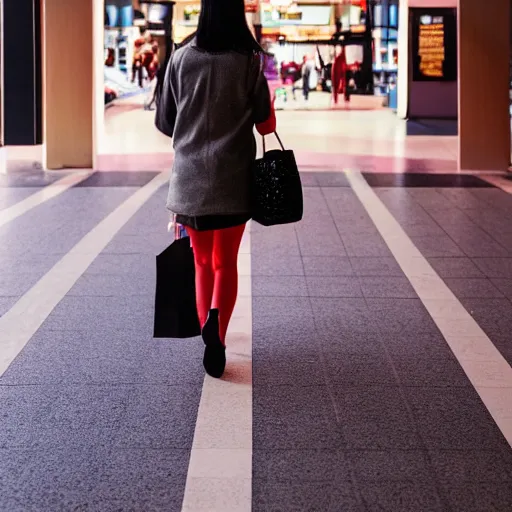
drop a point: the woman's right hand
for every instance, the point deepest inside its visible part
(270, 125)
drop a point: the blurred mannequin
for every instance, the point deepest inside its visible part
(145, 56)
(339, 76)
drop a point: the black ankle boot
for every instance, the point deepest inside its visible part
(214, 360)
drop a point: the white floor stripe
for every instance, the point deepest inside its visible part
(220, 470)
(22, 321)
(502, 181)
(485, 367)
(41, 196)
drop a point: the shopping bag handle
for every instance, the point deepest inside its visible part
(278, 139)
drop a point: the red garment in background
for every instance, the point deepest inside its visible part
(339, 73)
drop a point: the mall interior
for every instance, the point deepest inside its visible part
(369, 356)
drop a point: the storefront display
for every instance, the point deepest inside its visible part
(385, 44)
(138, 34)
(434, 45)
(296, 22)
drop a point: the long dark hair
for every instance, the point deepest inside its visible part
(223, 27)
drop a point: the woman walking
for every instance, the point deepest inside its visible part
(213, 95)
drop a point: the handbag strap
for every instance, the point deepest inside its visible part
(278, 140)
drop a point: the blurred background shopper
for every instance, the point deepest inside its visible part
(213, 95)
(308, 67)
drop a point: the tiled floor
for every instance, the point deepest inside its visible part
(369, 355)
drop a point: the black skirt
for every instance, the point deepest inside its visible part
(213, 222)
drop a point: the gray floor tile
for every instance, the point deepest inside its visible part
(11, 196)
(308, 179)
(14, 283)
(504, 286)
(297, 322)
(315, 200)
(333, 286)
(479, 497)
(495, 267)
(455, 268)
(26, 263)
(402, 496)
(355, 225)
(159, 417)
(454, 418)
(55, 479)
(327, 266)
(97, 313)
(493, 315)
(298, 336)
(472, 466)
(320, 243)
(123, 264)
(97, 285)
(419, 345)
(267, 264)
(386, 266)
(297, 369)
(277, 234)
(445, 372)
(279, 286)
(300, 466)
(471, 288)
(294, 418)
(332, 179)
(423, 229)
(375, 418)
(122, 357)
(387, 287)
(437, 246)
(346, 313)
(276, 244)
(142, 480)
(478, 248)
(390, 466)
(365, 245)
(335, 341)
(475, 242)
(293, 307)
(400, 316)
(503, 343)
(311, 496)
(55, 416)
(138, 244)
(359, 370)
(6, 303)
(430, 199)
(410, 214)
(464, 198)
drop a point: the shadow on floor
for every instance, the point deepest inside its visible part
(441, 127)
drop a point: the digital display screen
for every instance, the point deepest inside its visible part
(434, 45)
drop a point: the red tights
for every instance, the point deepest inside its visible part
(216, 258)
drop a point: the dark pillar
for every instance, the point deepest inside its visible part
(22, 83)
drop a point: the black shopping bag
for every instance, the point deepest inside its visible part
(276, 188)
(175, 298)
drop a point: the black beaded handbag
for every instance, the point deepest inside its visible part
(276, 188)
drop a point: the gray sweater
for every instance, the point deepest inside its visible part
(209, 104)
